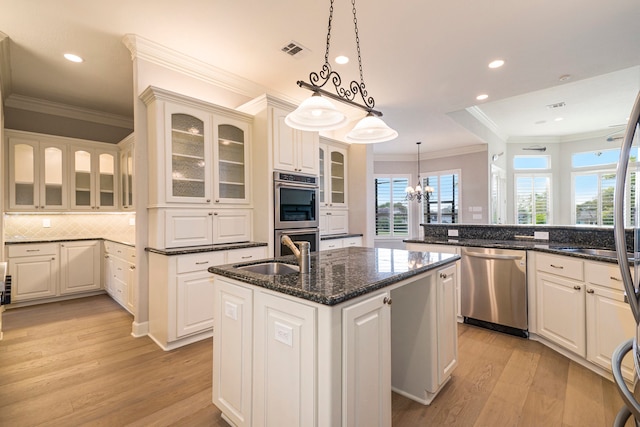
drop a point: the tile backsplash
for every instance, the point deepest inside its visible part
(114, 226)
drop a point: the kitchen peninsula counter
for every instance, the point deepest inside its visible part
(327, 348)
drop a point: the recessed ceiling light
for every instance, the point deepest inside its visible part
(342, 59)
(73, 58)
(496, 63)
(564, 77)
(558, 119)
(482, 97)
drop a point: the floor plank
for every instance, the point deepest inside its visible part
(76, 363)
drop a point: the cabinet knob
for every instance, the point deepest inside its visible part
(210, 213)
(53, 258)
(208, 200)
(590, 291)
(577, 288)
(133, 267)
(41, 207)
(387, 300)
(217, 201)
(106, 256)
(97, 207)
(443, 275)
(215, 213)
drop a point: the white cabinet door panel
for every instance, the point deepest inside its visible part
(194, 303)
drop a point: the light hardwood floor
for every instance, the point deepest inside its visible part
(75, 363)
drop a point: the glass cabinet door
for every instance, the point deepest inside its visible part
(106, 182)
(231, 163)
(83, 180)
(23, 189)
(126, 178)
(53, 194)
(188, 159)
(337, 177)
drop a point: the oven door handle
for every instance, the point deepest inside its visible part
(295, 185)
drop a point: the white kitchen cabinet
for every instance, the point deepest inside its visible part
(447, 331)
(34, 271)
(446, 249)
(232, 166)
(37, 174)
(285, 348)
(332, 174)
(93, 178)
(120, 278)
(293, 150)
(333, 221)
(181, 294)
(196, 227)
(609, 320)
(337, 243)
(198, 152)
(126, 172)
(232, 350)
(80, 266)
(366, 331)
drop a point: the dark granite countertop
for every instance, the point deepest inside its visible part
(340, 236)
(205, 248)
(535, 245)
(342, 274)
(20, 241)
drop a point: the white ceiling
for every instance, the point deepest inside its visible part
(421, 59)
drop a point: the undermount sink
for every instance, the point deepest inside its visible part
(270, 268)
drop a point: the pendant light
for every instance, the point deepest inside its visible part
(418, 192)
(317, 113)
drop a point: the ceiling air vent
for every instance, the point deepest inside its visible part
(556, 105)
(294, 49)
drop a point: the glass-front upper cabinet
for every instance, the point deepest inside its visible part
(231, 168)
(333, 168)
(190, 164)
(93, 180)
(37, 175)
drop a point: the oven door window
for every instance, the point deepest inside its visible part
(297, 204)
(311, 237)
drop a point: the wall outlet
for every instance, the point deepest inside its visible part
(541, 235)
(46, 223)
(231, 310)
(132, 221)
(452, 233)
(284, 334)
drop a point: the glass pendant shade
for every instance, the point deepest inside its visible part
(316, 114)
(369, 130)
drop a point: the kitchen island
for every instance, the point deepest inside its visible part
(327, 348)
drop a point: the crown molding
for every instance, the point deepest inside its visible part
(430, 155)
(22, 102)
(5, 65)
(480, 116)
(158, 54)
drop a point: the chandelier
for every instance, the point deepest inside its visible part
(418, 192)
(317, 113)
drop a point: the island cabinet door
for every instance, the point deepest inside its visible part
(285, 377)
(447, 326)
(366, 370)
(232, 350)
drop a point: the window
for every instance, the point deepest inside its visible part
(593, 186)
(392, 210)
(531, 162)
(441, 206)
(533, 198)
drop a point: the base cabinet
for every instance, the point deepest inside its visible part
(34, 274)
(315, 365)
(80, 266)
(329, 244)
(120, 276)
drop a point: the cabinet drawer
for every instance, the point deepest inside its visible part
(604, 274)
(247, 254)
(199, 262)
(351, 241)
(109, 247)
(131, 255)
(32, 250)
(571, 268)
(326, 245)
(120, 269)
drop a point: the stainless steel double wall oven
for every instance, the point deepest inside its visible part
(296, 210)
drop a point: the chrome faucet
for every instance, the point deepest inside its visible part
(303, 255)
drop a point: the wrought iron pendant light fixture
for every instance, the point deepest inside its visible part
(317, 113)
(418, 192)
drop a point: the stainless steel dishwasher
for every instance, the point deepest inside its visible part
(493, 289)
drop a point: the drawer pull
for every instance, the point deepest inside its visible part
(590, 291)
(33, 250)
(202, 262)
(387, 300)
(247, 257)
(557, 266)
(577, 288)
(443, 275)
(615, 278)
